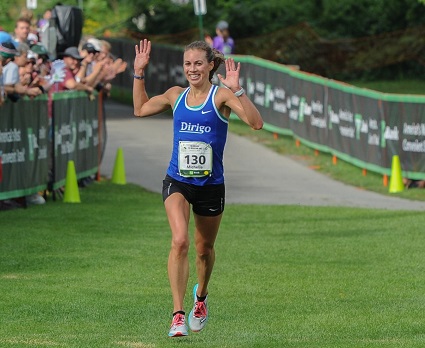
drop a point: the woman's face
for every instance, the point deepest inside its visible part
(196, 66)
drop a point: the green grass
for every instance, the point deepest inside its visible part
(94, 275)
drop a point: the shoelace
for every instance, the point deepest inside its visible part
(178, 320)
(200, 310)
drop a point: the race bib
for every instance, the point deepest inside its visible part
(195, 159)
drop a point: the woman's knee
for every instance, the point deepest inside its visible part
(180, 245)
(204, 249)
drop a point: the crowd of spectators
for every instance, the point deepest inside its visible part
(26, 66)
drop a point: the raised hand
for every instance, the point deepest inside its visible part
(231, 80)
(142, 56)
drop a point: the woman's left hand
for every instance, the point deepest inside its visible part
(231, 80)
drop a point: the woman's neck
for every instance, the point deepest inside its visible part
(196, 92)
(197, 96)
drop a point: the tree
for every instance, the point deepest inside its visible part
(164, 16)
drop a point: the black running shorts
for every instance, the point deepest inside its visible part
(206, 200)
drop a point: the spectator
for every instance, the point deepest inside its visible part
(117, 65)
(72, 60)
(95, 42)
(33, 32)
(22, 30)
(27, 73)
(45, 20)
(223, 42)
(2, 92)
(112, 68)
(4, 37)
(105, 49)
(99, 67)
(208, 39)
(21, 61)
(21, 55)
(42, 67)
(12, 85)
(13, 88)
(90, 69)
(25, 70)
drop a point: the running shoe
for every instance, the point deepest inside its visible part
(178, 326)
(198, 316)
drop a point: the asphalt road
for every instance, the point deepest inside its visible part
(254, 174)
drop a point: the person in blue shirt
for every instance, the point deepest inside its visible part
(195, 176)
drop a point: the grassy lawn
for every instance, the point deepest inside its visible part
(94, 275)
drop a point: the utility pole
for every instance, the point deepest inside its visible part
(200, 7)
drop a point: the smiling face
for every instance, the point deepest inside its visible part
(196, 66)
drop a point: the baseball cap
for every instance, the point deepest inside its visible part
(31, 55)
(89, 47)
(96, 43)
(72, 52)
(5, 36)
(7, 49)
(39, 49)
(222, 25)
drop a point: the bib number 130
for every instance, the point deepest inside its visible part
(195, 158)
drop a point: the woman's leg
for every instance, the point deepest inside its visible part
(206, 229)
(178, 213)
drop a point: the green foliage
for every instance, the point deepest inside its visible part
(164, 16)
(100, 15)
(253, 18)
(263, 23)
(9, 12)
(331, 18)
(357, 18)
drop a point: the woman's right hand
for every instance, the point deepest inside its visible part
(142, 56)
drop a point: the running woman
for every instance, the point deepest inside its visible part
(195, 176)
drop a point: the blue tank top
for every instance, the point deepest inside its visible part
(199, 138)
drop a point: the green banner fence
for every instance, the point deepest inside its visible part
(35, 149)
(23, 147)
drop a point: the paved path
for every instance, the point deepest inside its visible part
(254, 174)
